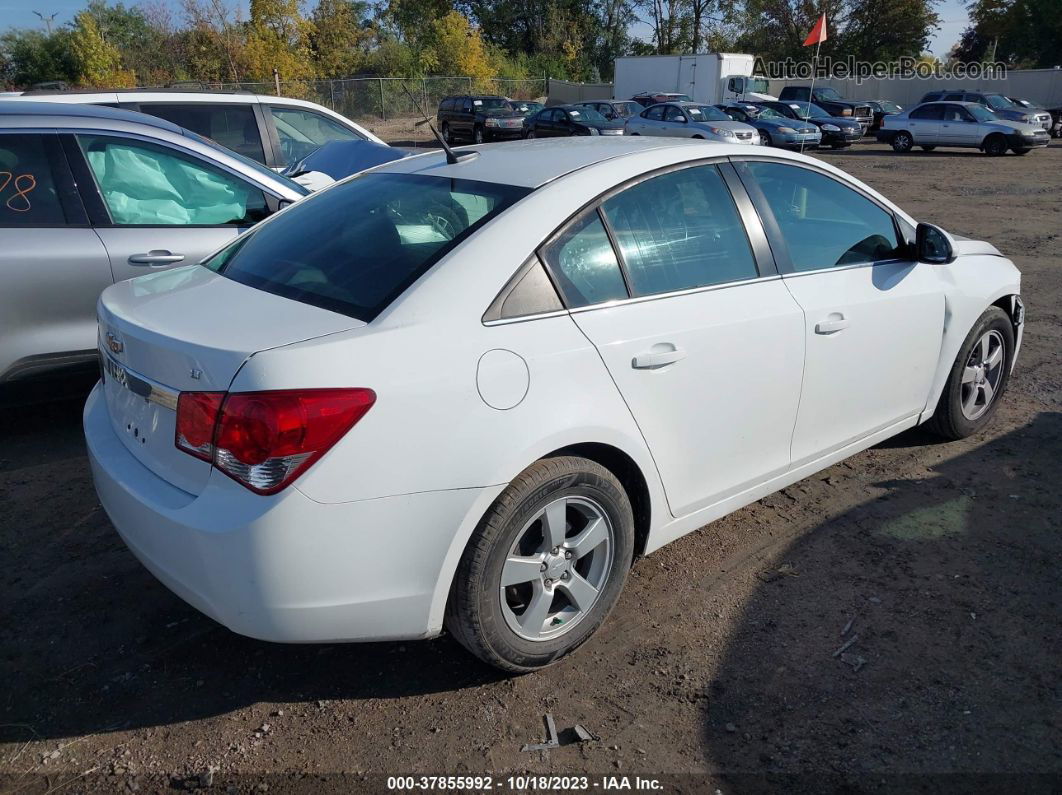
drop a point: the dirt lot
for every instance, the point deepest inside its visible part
(717, 666)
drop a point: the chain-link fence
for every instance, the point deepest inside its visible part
(389, 103)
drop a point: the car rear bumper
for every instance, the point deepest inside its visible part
(283, 568)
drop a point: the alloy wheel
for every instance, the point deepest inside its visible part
(982, 375)
(556, 568)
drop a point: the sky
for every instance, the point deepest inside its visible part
(18, 15)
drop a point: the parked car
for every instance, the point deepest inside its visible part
(567, 120)
(647, 98)
(1002, 107)
(92, 195)
(882, 108)
(691, 120)
(479, 118)
(773, 128)
(965, 124)
(833, 103)
(837, 132)
(275, 131)
(614, 108)
(1055, 113)
(360, 425)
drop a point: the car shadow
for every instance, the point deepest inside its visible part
(917, 634)
(93, 643)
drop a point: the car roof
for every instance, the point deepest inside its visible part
(10, 108)
(533, 162)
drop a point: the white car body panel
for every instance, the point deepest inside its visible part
(458, 417)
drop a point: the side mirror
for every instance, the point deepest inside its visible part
(933, 245)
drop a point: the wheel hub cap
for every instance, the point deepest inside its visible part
(982, 375)
(556, 568)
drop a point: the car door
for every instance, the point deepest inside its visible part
(675, 121)
(53, 267)
(654, 120)
(466, 120)
(873, 318)
(958, 127)
(155, 206)
(924, 124)
(709, 349)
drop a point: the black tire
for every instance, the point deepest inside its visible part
(474, 611)
(765, 138)
(902, 142)
(477, 135)
(948, 420)
(839, 145)
(1021, 150)
(529, 134)
(995, 145)
(928, 148)
(447, 134)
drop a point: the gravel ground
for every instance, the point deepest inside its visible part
(718, 666)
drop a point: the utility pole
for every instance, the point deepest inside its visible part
(47, 20)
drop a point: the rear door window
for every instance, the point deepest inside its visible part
(356, 247)
(145, 184)
(29, 188)
(929, 112)
(585, 263)
(656, 113)
(233, 126)
(680, 230)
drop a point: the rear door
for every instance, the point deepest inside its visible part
(873, 318)
(53, 267)
(924, 124)
(157, 207)
(675, 121)
(708, 350)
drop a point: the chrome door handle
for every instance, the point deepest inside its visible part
(836, 322)
(156, 257)
(667, 354)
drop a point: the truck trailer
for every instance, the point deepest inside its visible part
(708, 78)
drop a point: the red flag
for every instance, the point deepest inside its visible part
(818, 33)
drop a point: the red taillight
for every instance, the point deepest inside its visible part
(197, 414)
(264, 440)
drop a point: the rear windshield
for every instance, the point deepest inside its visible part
(356, 247)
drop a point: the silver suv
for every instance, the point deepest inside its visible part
(966, 124)
(276, 131)
(90, 196)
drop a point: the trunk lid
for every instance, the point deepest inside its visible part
(187, 329)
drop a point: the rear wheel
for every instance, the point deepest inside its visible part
(765, 139)
(902, 142)
(995, 145)
(978, 378)
(545, 566)
(928, 148)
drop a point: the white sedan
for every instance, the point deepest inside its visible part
(470, 392)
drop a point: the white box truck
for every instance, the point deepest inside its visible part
(709, 78)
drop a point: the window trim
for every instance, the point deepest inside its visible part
(70, 202)
(99, 213)
(493, 316)
(758, 240)
(780, 248)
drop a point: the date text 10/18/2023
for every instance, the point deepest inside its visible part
(523, 783)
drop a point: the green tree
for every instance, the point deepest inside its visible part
(340, 37)
(99, 63)
(278, 37)
(30, 56)
(1024, 33)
